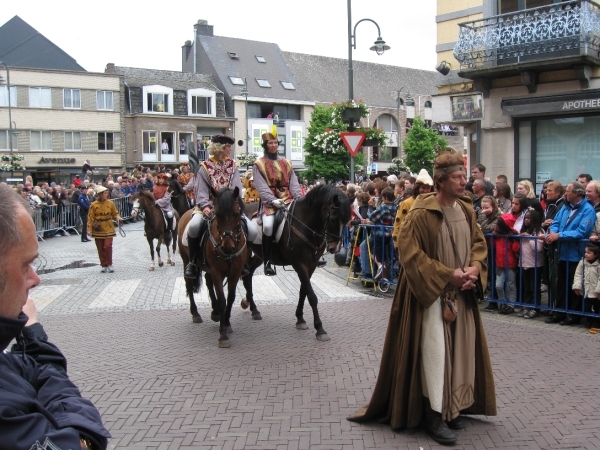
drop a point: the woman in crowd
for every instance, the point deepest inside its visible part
(519, 205)
(503, 197)
(101, 214)
(526, 188)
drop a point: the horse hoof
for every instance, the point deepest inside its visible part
(244, 303)
(151, 269)
(197, 319)
(172, 263)
(256, 316)
(161, 264)
(322, 337)
(228, 329)
(215, 317)
(301, 326)
(224, 344)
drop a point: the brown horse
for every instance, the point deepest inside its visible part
(154, 226)
(224, 255)
(178, 198)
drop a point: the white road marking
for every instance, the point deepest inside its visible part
(44, 295)
(179, 296)
(116, 294)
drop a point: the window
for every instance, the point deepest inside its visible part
(4, 96)
(104, 100)
(149, 146)
(233, 55)
(287, 85)
(41, 140)
(201, 102)
(72, 140)
(263, 83)
(261, 59)
(106, 141)
(72, 98)
(158, 102)
(40, 97)
(236, 80)
(4, 144)
(201, 105)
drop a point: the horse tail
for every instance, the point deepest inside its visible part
(197, 283)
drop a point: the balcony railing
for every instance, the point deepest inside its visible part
(560, 30)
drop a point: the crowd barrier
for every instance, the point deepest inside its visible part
(64, 218)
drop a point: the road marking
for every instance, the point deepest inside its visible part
(264, 289)
(44, 295)
(179, 296)
(334, 289)
(115, 294)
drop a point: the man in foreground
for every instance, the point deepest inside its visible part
(39, 406)
(432, 370)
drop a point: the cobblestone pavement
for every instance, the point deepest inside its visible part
(161, 382)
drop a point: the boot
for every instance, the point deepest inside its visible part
(267, 242)
(436, 428)
(191, 270)
(169, 230)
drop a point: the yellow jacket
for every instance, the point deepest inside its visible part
(403, 209)
(100, 219)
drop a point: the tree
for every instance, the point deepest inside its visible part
(327, 157)
(421, 146)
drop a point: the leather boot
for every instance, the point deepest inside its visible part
(436, 428)
(169, 230)
(191, 270)
(267, 243)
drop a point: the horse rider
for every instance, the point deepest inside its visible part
(217, 172)
(162, 199)
(277, 186)
(184, 178)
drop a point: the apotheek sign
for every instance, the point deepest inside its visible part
(588, 101)
(57, 161)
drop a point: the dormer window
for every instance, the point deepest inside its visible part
(287, 85)
(233, 55)
(263, 83)
(158, 100)
(236, 80)
(261, 59)
(201, 102)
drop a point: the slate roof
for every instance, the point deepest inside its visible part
(177, 80)
(325, 79)
(247, 66)
(21, 45)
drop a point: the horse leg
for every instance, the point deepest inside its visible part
(301, 323)
(190, 287)
(214, 314)
(304, 277)
(249, 299)
(218, 284)
(172, 261)
(231, 291)
(151, 253)
(160, 263)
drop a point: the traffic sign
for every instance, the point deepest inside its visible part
(352, 141)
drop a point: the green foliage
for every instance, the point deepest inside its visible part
(421, 146)
(327, 157)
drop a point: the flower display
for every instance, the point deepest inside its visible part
(247, 159)
(338, 109)
(10, 163)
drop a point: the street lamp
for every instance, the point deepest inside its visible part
(10, 132)
(378, 47)
(245, 94)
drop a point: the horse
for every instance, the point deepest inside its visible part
(178, 198)
(224, 254)
(315, 224)
(154, 226)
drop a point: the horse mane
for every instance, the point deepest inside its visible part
(224, 202)
(176, 185)
(147, 195)
(324, 194)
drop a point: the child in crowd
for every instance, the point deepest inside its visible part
(587, 281)
(507, 261)
(487, 219)
(532, 259)
(359, 215)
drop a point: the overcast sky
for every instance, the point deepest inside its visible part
(149, 34)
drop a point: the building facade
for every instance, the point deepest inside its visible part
(524, 77)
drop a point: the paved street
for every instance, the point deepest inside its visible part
(161, 382)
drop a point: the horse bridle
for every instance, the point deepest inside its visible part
(323, 236)
(218, 246)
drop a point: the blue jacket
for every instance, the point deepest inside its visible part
(38, 403)
(580, 226)
(84, 202)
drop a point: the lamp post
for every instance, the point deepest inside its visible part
(245, 94)
(378, 47)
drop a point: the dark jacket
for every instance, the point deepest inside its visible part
(84, 202)
(38, 403)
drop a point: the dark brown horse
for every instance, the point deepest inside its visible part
(224, 255)
(315, 224)
(154, 226)
(178, 198)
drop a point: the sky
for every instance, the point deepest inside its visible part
(142, 34)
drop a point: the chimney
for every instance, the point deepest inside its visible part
(203, 28)
(110, 68)
(186, 55)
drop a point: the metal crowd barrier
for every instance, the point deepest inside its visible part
(66, 217)
(373, 242)
(548, 271)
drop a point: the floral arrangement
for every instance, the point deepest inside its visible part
(375, 134)
(330, 142)
(10, 164)
(398, 165)
(247, 159)
(338, 109)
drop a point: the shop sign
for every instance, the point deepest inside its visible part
(557, 104)
(542, 177)
(57, 161)
(467, 107)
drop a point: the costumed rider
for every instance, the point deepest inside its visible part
(162, 199)
(217, 172)
(277, 186)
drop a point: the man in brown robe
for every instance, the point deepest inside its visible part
(431, 370)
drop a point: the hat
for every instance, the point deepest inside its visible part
(100, 189)
(268, 137)
(162, 176)
(424, 178)
(393, 179)
(222, 139)
(509, 220)
(77, 176)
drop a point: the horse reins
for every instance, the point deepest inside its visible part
(324, 236)
(218, 246)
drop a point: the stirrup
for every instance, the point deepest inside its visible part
(269, 270)
(191, 271)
